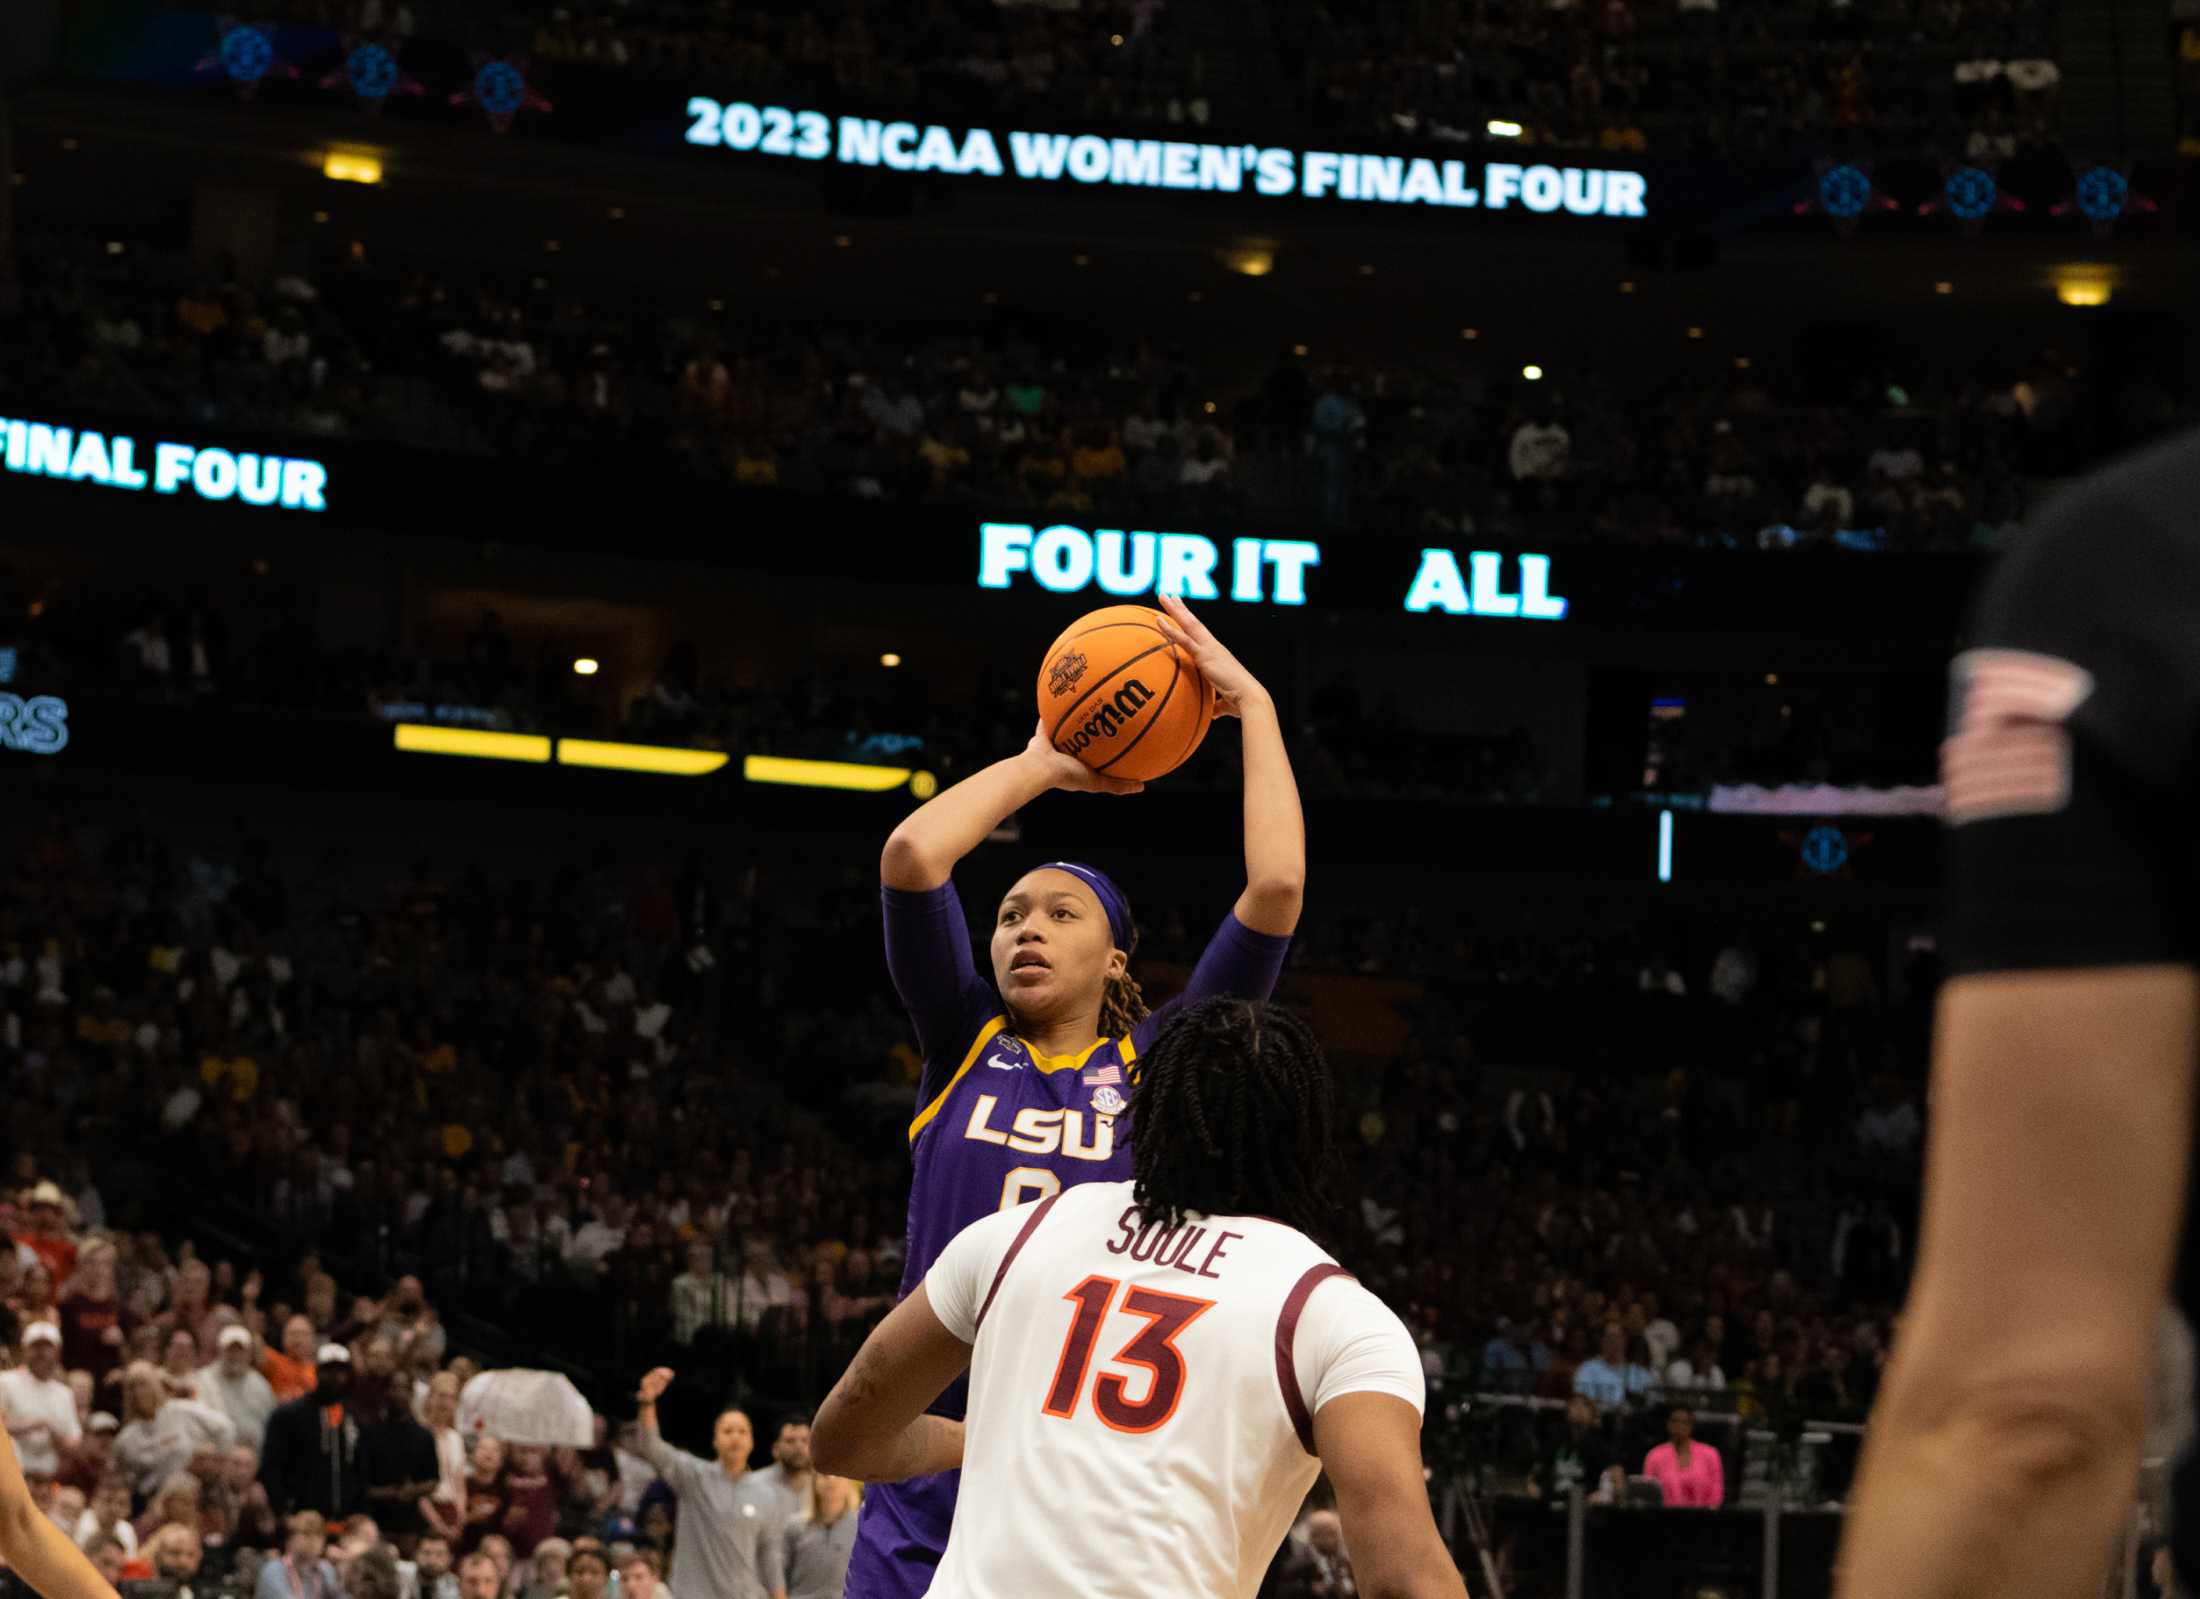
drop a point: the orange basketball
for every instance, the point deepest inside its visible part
(1115, 693)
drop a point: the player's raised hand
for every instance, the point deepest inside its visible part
(1234, 684)
(1068, 772)
(654, 1383)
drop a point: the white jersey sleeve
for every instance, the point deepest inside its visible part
(1350, 1342)
(963, 1275)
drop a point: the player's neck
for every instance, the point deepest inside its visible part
(736, 1471)
(1069, 1036)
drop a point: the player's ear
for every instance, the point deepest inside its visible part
(1118, 964)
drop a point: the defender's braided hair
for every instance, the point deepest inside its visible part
(1234, 1115)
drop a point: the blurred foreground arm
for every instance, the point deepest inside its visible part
(35, 1549)
(2002, 1455)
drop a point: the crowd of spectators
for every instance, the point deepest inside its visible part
(1073, 425)
(160, 1428)
(1620, 76)
(1104, 62)
(1628, 76)
(625, 1115)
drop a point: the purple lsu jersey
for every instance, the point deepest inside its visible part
(1011, 1126)
(999, 1125)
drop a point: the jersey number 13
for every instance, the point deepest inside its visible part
(1153, 1346)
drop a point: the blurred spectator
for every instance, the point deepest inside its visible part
(47, 1234)
(92, 1463)
(820, 1538)
(1611, 1379)
(398, 1463)
(40, 1410)
(310, 1460)
(1319, 1567)
(641, 1576)
(91, 1314)
(290, 1371)
(789, 1475)
(432, 1565)
(303, 1572)
(1582, 1457)
(1687, 1471)
(163, 1432)
(478, 1578)
(231, 1386)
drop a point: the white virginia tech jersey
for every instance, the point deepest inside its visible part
(1141, 1398)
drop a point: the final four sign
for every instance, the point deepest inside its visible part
(1261, 571)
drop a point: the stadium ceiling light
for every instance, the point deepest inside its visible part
(1534, 374)
(1470, 333)
(351, 166)
(1695, 333)
(424, 738)
(889, 660)
(669, 759)
(1251, 260)
(587, 666)
(823, 774)
(1506, 130)
(1944, 287)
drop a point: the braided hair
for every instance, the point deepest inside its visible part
(1122, 1003)
(1235, 1115)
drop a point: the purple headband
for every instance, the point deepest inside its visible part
(1110, 897)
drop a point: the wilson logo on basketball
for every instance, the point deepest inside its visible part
(1065, 673)
(1112, 716)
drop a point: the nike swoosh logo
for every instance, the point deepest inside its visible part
(999, 1064)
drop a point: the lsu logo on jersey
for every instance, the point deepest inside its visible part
(1042, 1130)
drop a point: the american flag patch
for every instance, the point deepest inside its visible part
(1106, 1076)
(2008, 749)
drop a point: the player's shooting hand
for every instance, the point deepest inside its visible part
(1068, 772)
(1234, 684)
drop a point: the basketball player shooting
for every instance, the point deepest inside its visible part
(1027, 1069)
(36, 1550)
(1160, 1368)
(2002, 1456)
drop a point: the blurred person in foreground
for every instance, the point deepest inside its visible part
(2002, 1454)
(34, 1549)
(1236, 1362)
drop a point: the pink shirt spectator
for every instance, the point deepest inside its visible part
(1700, 1483)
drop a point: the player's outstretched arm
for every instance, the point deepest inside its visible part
(1370, 1445)
(2003, 1452)
(921, 853)
(35, 1549)
(1275, 827)
(872, 1426)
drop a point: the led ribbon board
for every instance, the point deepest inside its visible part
(116, 461)
(1091, 160)
(1256, 571)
